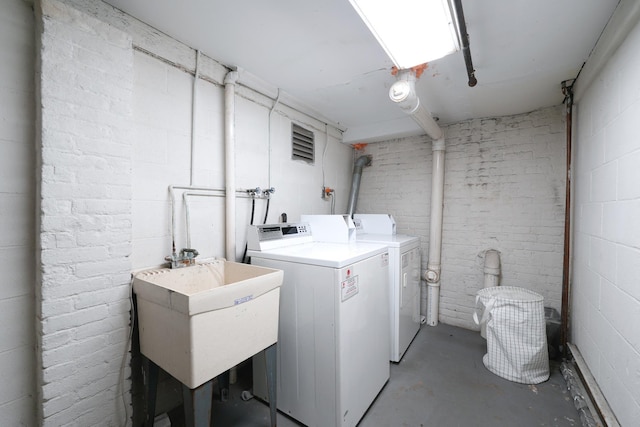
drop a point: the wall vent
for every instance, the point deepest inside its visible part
(302, 144)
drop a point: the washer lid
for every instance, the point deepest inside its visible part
(335, 255)
(391, 240)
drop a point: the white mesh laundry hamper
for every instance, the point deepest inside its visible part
(516, 333)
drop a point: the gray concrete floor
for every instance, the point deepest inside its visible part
(441, 381)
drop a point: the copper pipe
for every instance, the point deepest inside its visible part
(567, 89)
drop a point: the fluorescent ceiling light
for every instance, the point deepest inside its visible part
(412, 32)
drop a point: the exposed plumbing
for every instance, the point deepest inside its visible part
(360, 163)
(403, 93)
(466, 52)
(432, 275)
(491, 268)
(230, 81)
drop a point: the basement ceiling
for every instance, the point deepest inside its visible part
(322, 54)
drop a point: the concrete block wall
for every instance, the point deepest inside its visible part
(504, 190)
(17, 184)
(84, 91)
(606, 258)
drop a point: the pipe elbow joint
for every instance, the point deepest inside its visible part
(432, 276)
(231, 77)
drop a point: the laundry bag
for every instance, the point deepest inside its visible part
(516, 333)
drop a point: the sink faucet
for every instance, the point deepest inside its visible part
(186, 258)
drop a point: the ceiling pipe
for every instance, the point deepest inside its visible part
(464, 38)
(403, 92)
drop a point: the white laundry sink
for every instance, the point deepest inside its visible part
(196, 322)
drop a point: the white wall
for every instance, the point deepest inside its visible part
(17, 165)
(606, 260)
(162, 153)
(84, 90)
(113, 132)
(504, 190)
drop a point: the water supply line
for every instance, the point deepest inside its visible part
(360, 163)
(403, 93)
(230, 81)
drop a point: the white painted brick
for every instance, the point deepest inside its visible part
(628, 270)
(73, 320)
(607, 302)
(504, 189)
(94, 269)
(16, 386)
(107, 296)
(603, 180)
(629, 176)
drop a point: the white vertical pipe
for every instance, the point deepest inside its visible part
(403, 93)
(194, 92)
(230, 163)
(432, 274)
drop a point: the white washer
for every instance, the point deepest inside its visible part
(404, 277)
(333, 334)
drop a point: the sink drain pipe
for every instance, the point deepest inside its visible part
(403, 92)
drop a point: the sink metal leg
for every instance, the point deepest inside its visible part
(270, 356)
(223, 386)
(151, 372)
(197, 405)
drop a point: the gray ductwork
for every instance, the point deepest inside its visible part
(360, 163)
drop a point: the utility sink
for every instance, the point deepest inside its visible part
(196, 322)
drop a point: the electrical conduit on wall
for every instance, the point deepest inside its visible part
(403, 92)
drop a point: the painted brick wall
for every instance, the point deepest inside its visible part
(17, 184)
(606, 260)
(116, 130)
(504, 190)
(84, 228)
(162, 147)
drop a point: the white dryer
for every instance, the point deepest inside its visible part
(404, 277)
(333, 334)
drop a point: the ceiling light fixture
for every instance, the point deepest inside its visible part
(412, 32)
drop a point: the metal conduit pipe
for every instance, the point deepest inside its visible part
(230, 81)
(464, 36)
(360, 163)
